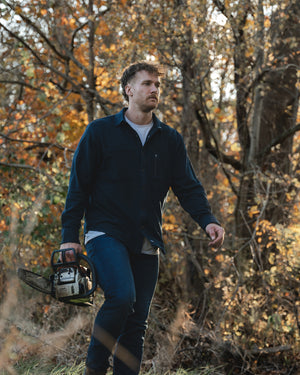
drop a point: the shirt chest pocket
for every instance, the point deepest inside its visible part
(156, 166)
(159, 168)
(159, 176)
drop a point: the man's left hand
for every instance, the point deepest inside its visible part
(216, 234)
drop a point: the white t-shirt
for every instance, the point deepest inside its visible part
(142, 131)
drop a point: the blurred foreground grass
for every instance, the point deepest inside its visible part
(35, 368)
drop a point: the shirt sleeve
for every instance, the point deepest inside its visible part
(81, 180)
(188, 188)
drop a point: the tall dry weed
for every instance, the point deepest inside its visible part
(168, 342)
(25, 328)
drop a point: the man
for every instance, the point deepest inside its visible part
(122, 170)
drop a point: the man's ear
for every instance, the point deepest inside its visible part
(129, 89)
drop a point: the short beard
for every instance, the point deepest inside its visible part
(148, 108)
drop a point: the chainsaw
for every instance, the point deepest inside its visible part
(72, 282)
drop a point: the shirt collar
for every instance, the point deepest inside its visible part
(120, 119)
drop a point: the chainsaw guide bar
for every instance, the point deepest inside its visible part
(36, 281)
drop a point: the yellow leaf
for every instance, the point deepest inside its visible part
(235, 147)
(249, 52)
(171, 219)
(253, 211)
(219, 258)
(267, 22)
(209, 103)
(272, 259)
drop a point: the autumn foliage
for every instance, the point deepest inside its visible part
(231, 87)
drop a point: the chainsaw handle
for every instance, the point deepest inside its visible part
(62, 260)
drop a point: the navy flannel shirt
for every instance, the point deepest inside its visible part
(119, 186)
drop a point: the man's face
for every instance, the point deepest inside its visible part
(143, 91)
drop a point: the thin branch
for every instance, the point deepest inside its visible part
(55, 105)
(75, 32)
(271, 350)
(30, 167)
(42, 35)
(220, 6)
(194, 259)
(36, 144)
(263, 71)
(75, 61)
(34, 53)
(21, 83)
(278, 140)
(215, 151)
(253, 233)
(38, 58)
(80, 27)
(76, 88)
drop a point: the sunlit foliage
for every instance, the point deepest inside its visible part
(231, 87)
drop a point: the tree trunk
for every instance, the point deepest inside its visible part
(275, 105)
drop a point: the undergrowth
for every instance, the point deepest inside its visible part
(248, 326)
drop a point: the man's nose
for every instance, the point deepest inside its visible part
(154, 88)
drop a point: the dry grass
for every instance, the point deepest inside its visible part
(39, 338)
(35, 368)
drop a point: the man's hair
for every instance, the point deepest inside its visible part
(131, 71)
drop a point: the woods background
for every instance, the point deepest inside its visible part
(231, 88)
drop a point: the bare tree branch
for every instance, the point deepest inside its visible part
(215, 150)
(38, 30)
(21, 83)
(30, 167)
(76, 87)
(278, 140)
(26, 45)
(36, 144)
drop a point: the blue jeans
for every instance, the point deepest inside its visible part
(128, 282)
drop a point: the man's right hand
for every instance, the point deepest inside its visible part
(69, 254)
